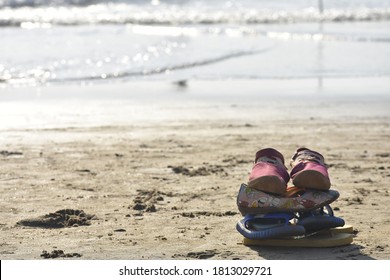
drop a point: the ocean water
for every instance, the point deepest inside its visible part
(90, 41)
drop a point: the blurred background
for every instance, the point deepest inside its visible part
(89, 41)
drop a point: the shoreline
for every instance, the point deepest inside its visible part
(146, 102)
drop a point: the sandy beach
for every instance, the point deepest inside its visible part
(155, 176)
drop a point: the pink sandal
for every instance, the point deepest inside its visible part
(309, 170)
(269, 173)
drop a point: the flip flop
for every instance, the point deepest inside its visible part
(252, 201)
(318, 240)
(319, 219)
(275, 225)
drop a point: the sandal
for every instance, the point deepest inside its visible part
(275, 225)
(319, 219)
(252, 201)
(309, 170)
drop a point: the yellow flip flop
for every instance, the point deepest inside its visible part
(326, 238)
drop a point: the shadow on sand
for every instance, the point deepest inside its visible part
(348, 252)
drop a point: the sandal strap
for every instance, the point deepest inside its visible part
(306, 155)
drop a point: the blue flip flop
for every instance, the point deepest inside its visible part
(319, 219)
(266, 226)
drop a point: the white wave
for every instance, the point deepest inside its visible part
(39, 75)
(121, 13)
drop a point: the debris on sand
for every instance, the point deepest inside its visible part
(58, 254)
(59, 219)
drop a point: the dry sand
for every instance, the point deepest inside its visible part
(164, 186)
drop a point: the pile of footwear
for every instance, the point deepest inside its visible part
(300, 215)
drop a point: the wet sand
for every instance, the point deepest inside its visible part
(156, 176)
